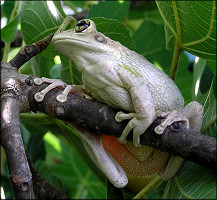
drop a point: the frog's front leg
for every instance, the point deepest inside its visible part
(143, 105)
(55, 83)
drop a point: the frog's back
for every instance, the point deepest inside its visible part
(165, 93)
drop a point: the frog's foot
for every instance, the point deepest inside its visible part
(172, 167)
(194, 112)
(120, 116)
(169, 119)
(54, 83)
(138, 125)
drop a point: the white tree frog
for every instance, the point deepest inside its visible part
(121, 78)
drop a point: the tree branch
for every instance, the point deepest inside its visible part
(20, 175)
(14, 100)
(99, 117)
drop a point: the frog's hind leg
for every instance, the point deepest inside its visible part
(191, 116)
(102, 158)
(194, 112)
(171, 117)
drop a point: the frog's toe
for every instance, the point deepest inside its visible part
(54, 83)
(136, 140)
(86, 96)
(120, 116)
(61, 98)
(38, 97)
(169, 119)
(38, 81)
(122, 140)
(137, 145)
(159, 129)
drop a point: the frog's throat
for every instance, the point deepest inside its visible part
(102, 158)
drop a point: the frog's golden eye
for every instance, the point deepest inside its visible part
(82, 25)
(100, 39)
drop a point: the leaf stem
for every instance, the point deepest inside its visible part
(208, 124)
(6, 51)
(8, 44)
(175, 61)
(180, 188)
(152, 185)
(178, 46)
(65, 23)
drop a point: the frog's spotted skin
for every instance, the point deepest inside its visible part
(121, 78)
(145, 162)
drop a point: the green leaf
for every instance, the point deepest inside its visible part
(6, 9)
(158, 192)
(44, 169)
(184, 78)
(110, 10)
(203, 76)
(41, 66)
(59, 8)
(138, 14)
(114, 30)
(86, 181)
(192, 182)
(26, 69)
(212, 65)
(209, 119)
(64, 168)
(36, 148)
(147, 11)
(40, 18)
(75, 5)
(6, 185)
(55, 71)
(8, 33)
(37, 123)
(115, 193)
(192, 24)
(149, 38)
(69, 72)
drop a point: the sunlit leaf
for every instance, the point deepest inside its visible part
(8, 33)
(192, 24)
(40, 18)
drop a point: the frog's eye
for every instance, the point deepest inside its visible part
(100, 39)
(82, 25)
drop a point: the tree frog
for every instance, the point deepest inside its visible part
(121, 78)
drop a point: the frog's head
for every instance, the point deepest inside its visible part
(84, 44)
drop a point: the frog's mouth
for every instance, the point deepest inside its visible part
(102, 158)
(66, 40)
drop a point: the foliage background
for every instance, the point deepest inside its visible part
(54, 147)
